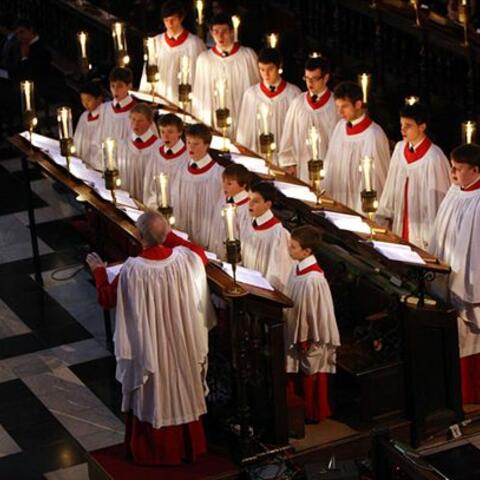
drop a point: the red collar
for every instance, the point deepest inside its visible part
(158, 252)
(177, 41)
(92, 118)
(419, 152)
(126, 108)
(198, 171)
(281, 87)
(321, 101)
(235, 49)
(311, 268)
(170, 156)
(242, 202)
(359, 127)
(148, 143)
(471, 188)
(269, 224)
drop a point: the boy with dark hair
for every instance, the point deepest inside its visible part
(115, 120)
(417, 180)
(198, 191)
(170, 47)
(312, 334)
(172, 157)
(87, 133)
(455, 240)
(313, 108)
(226, 60)
(266, 248)
(354, 137)
(273, 94)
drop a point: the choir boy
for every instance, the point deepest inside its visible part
(170, 47)
(228, 60)
(274, 93)
(455, 240)
(354, 137)
(417, 180)
(313, 108)
(312, 334)
(266, 248)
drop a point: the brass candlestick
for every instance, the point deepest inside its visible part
(267, 145)
(369, 206)
(316, 174)
(111, 173)
(234, 257)
(184, 95)
(223, 122)
(161, 190)
(111, 182)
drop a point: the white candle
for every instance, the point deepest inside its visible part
(364, 81)
(221, 90)
(199, 6)
(163, 184)
(314, 141)
(469, 128)
(184, 69)
(63, 117)
(117, 35)
(272, 40)
(236, 24)
(229, 215)
(109, 150)
(27, 88)
(366, 168)
(150, 51)
(82, 40)
(264, 113)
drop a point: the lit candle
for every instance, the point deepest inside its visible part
(184, 69)
(314, 140)
(264, 113)
(109, 151)
(162, 190)
(199, 6)
(117, 35)
(82, 40)
(221, 91)
(27, 95)
(462, 12)
(366, 165)
(236, 24)
(64, 118)
(229, 216)
(272, 40)
(469, 128)
(412, 100)
(150, 51)
(364, 80)
(315, 55)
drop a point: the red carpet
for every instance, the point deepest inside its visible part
(117, 466)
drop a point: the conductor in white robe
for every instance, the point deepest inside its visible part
(354, 137)
(161, 343)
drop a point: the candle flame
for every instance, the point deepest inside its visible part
(199, 7)
(82, 39)
(272, 40)
(364, 83)
(412, 100)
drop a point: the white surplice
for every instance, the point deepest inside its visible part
(428, 181)
(311, 319)
(241, 71)
(87, 138)
(249, 126)
(195, 200)
(301, 116)
(161, 338)
(455, 240)
(133, 157)
(266, 250)
(168, 54)
(172, 163)
(343, 179)
(115, 122)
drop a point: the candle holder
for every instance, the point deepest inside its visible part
(122, 58)
(29, 114)
(111, 173)
(223, 122)
(267, 145)
(369, 206)
(83, 63)
(65, 133)
(365, 81)
(414, 4)
(469, 131)
(316, 174)
(151, 67)
(233, 247)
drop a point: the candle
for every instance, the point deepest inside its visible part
(109, 151)
(82, 40)
(315, 55)
(64, 119)
(150, 51)
(412, 100)
(184, 70)
(229, 216)
(199, 6)
(236, 24)
(221, 91)
(162, 190)
(366, 165)
(27, 94)
(117, 35)
(314, 140)
(469, 129)
(272, 40)
(364, 80)
(462, 12)
(263, 114)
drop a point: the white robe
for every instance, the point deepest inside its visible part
(249, 127)
(343, 179)
(173, 165)
(267, 252)
(113, 124)
(161, 338)
(132, 162)
(168, 62)
(195, 199)
(87, 139)
(428, 182)
(312, 319)
(293, 149)
(241, 71)
(455, 240)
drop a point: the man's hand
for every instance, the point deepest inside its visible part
(94, 261)
(291, 170)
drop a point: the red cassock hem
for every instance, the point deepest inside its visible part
(313, 390)
(470, 374)
(163, 446)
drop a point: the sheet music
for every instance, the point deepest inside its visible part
(217, 144)
(211, 255)
(300, 192)
(44, 143)
(398, 252)
(113, 271)
(253, 164)
(344, 221)
(250, 277)
(132, 213)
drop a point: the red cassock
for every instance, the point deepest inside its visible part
(146, 445)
